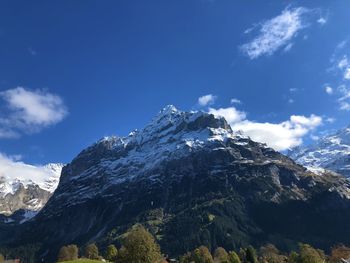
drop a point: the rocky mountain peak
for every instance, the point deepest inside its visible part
(172, 118)
(190, 179)
(167, 111)
(169, 126)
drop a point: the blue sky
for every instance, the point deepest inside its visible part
(72, 72)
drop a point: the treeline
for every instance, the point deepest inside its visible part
(138, 245)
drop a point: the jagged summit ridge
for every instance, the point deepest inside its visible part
(168, 120)
(191, 127)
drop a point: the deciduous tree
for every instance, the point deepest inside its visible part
(63, 254)
(91, 251)
(139, 246)
(221, 255)
(338, 253)
(202, 255)
(111, 253)
(308, 254)
(233, 257)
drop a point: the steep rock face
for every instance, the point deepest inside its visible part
(191, 181)
(331, 152)
(17, 192)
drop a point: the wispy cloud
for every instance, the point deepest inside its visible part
(328, 90)
(280, 136)
(27, 111)
(344, 99)
(340, 67)
(277, 32)
(344, 66)
(330, 120)
(288, 47)
(322, 20)
(236, 101)
(206, 100)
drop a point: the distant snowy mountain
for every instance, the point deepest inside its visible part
(28, 191)
(331, 152)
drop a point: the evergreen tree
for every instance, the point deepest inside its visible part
(221, 256)
(251, 255)
(233, 257)
(91, 251)
(139, 246)
(202, 255)
(111, 253)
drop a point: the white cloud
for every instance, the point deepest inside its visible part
(235, 101)
(330, 120)
(277, 33)
(343, 63)
(322, 21)
(344, 105)
(291, 101)
(329, 90)
(206, 100)
(344, 66)
(6, 133)
(340, 65)
(344, 100)
(347, 73)
(27, 111)
(341, 44)
(280, 136)
(231, 114)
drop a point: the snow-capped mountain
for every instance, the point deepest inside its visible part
(191, 180)
(331, 152)
(29, 189)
